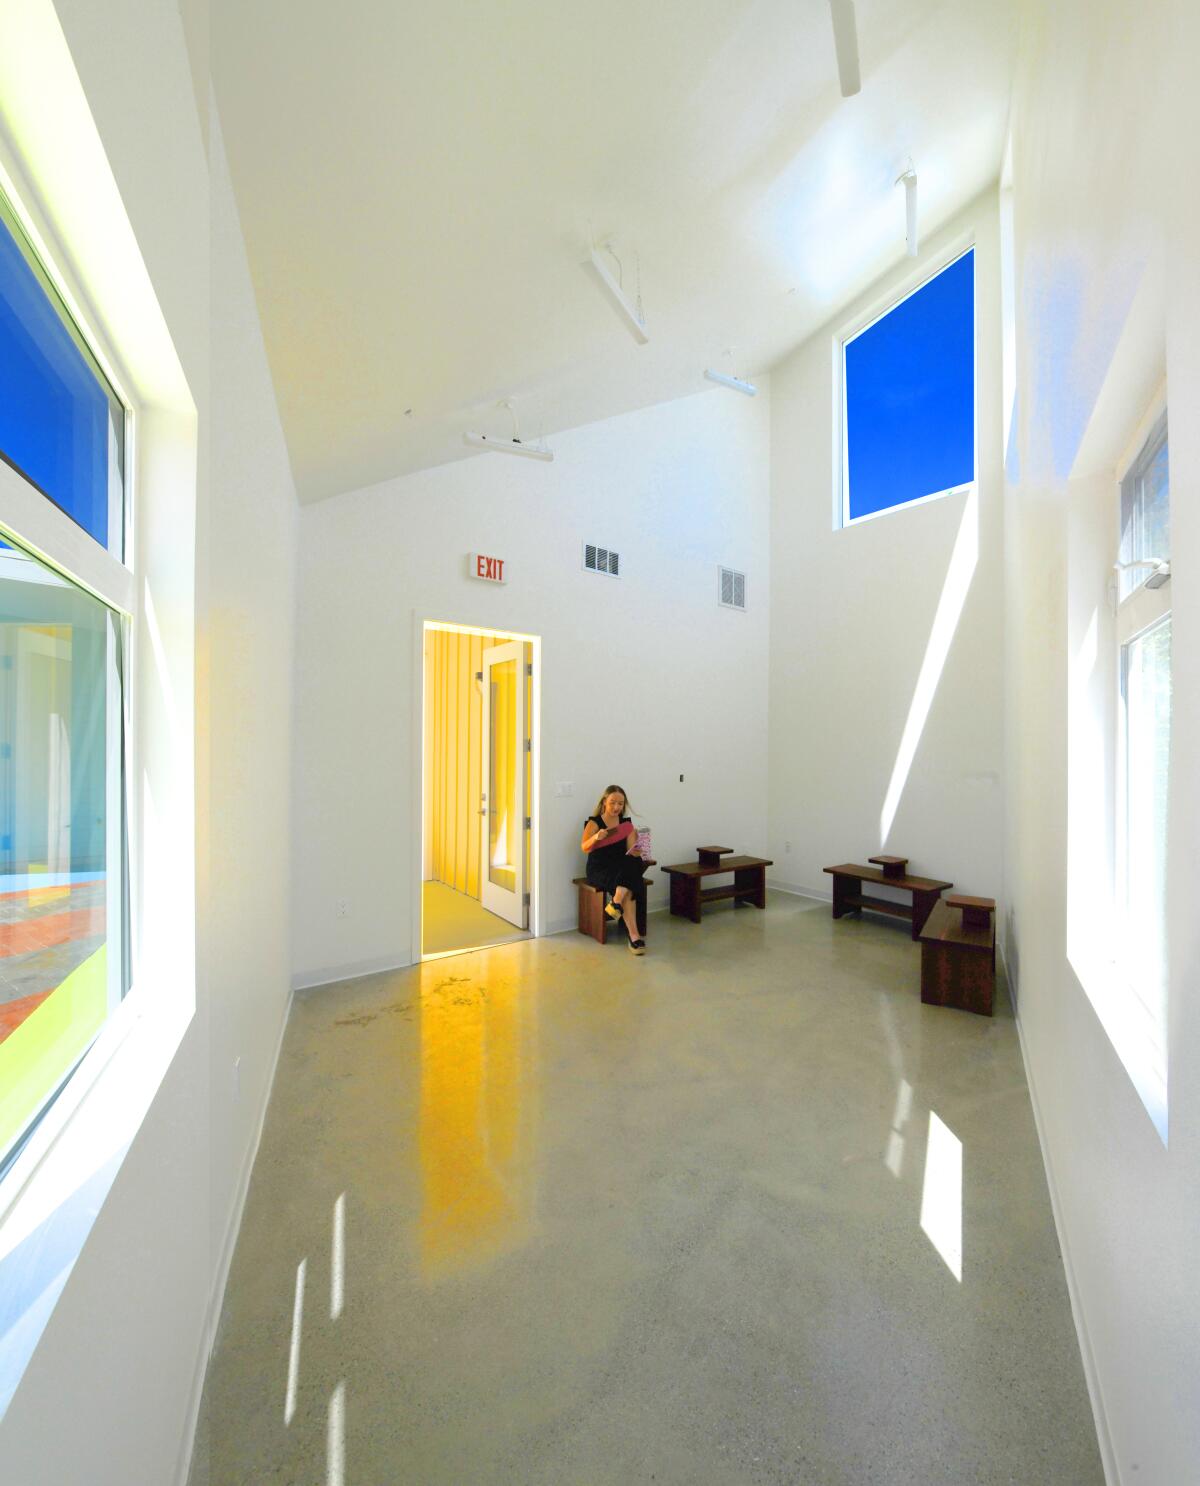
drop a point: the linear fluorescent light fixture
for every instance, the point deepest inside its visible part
(508, 446)
(629, 314)
(727, 381)
(909, 178)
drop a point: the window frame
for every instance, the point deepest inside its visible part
(33, 523)
(1135, 616)
(876, 310)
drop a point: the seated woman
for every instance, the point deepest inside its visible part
(609, 840)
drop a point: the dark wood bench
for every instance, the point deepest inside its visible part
(593, 920)
(958, 954)
(848, 895)
(749, 881)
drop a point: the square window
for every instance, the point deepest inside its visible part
(908, 409)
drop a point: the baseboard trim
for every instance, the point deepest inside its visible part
(1108, 1455)
(216, 1299)
(310, 980)
(796, 891)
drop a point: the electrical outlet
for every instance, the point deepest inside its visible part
(564, 788)
(342, 908)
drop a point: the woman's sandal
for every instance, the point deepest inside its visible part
(613, 910)
(637, 946)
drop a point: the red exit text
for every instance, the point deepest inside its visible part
(490, 569)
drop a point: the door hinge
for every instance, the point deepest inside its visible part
(526, 900)
(528, 823)
(528, 745)
(529, 669)
(479, 676)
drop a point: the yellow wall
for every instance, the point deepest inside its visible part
(454, 771)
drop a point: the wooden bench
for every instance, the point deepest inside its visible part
(749, 881)
(958, 954)
(848, 895)
(593, 920)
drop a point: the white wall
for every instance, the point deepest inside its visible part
(1104, 171)
(109, 1394)
(644, 677)
(853, 621)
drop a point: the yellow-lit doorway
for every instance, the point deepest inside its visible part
(479, 807)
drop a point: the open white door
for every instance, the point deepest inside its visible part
(503, 807)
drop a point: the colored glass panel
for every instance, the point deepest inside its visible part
(62, 857)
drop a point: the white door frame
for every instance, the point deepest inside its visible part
(420, 764)
(501, 901)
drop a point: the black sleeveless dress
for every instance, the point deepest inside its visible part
(611, 867)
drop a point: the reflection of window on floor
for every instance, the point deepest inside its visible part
(63, 898)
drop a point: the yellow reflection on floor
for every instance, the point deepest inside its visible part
(453, 921)
(476, 1119)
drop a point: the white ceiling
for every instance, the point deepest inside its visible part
(417, 185)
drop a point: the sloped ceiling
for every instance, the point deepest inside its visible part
(418, 186)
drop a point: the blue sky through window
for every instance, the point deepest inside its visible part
(910, 396)
(60, 424)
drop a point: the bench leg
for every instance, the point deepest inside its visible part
(750, 885)
(641, 908)
(923, 901)
(592, 919)
(685, 897)
(845, 888)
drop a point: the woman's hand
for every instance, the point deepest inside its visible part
(602, 834)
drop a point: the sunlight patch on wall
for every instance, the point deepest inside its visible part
(963, 561)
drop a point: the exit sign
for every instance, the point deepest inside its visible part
(488, 569)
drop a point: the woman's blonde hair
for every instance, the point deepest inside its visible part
(613, 789)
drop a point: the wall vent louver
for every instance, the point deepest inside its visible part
(601, 560)
(731, 589)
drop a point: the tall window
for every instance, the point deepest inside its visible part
(908, 398)
(1143, 631)
(64, 962)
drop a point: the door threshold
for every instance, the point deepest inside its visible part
(470, 949)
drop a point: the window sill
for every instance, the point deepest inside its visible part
(922, 500)
(55, 1189)
(1129, 1027)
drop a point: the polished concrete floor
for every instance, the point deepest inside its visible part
(451, 921)
(740, 1211)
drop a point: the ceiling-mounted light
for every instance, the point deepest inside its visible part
(909, 179)
(509, 446)
(845, 41)
(630, 313)
(727, 381)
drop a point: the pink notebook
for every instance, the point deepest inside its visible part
(618, 833)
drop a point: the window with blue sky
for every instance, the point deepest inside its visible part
(909, 390)
(64, 902)
(61, 424)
